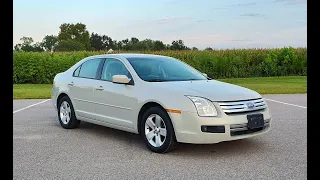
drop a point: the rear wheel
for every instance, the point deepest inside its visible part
(66, 114)
(157, 130)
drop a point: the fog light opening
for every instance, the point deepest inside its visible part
(213, 129)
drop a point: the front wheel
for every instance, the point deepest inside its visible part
(157, 130)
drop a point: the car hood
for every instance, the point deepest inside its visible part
(211, 89)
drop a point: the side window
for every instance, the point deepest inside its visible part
(113, 67)
(76, 72)
(89, 68)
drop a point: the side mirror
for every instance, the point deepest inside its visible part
(121, 79)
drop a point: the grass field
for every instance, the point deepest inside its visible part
(263, 85)
(32, 91)
(273, 85)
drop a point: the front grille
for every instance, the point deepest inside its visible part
(242, 106)
(242, 129)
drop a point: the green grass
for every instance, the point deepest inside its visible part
(263, 85)
(32, 91)
(273, 85)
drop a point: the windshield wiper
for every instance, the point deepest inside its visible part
(156, 80)
(190, 79)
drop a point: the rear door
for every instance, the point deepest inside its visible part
(81, 88)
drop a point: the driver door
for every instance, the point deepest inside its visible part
(115, 102)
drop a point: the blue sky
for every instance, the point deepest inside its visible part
(201, 23)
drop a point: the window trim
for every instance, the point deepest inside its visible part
(96, 77)
(79, 67)
(100, 69)
(131, 82)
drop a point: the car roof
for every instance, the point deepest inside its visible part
(129, 55)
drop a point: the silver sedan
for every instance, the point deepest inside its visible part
(161, 98)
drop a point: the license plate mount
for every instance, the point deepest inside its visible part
(255, 121)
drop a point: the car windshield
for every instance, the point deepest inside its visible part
(159, 69)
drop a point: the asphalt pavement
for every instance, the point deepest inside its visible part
(42, 149)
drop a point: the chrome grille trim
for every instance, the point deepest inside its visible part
(243, 127)
(239, 129)
(242, 106)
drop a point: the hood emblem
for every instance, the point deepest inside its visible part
(250, 105)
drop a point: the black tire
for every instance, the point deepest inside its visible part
(73, 122)
(170, 141)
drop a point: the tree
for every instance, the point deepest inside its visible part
(119, 45)
(147, 44)
(178, 45)
(134, 40)
(208, 48)
(17, 47)
(76, 37)
(110, 44)
(77, 32)
(132, 44)
(27, 46)
(37, 47)
(97, 42)
(26, 40)
(158, 45)
(49, 42)
(126, 44)
(125, 41)
(114, 44)
(70, 45)
(194, 49)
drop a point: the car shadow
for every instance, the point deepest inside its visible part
(183, 149)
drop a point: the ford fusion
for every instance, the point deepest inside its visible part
(161, 98)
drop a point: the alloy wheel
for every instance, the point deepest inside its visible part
(155, 130)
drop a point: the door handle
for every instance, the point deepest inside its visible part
(100, 88)
(70, 84)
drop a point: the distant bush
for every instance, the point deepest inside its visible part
(41, 67)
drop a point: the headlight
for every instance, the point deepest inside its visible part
(204, 107)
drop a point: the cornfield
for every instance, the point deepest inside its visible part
(40, 68)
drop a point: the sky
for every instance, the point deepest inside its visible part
(218, 24)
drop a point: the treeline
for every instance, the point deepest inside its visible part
(41, 67)
(76, 37)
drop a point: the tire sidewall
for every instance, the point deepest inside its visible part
(170, 131)
(73, 116)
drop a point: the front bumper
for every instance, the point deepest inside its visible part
(187, 126)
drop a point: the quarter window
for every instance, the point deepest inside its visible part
(89, 68)
(76, 72)
(113, 67)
